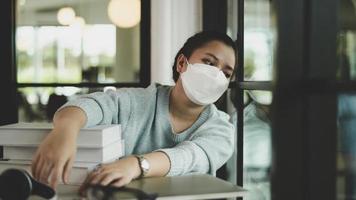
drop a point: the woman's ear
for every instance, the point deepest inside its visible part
(181, 63)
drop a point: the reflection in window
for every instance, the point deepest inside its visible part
(346, 166)
(257, 145)
(257, 151)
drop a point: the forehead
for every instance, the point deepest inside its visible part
(219, 49)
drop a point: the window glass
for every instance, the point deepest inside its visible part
(258, 37)
(346, 165)
(346, 41)
(88, 45)
(257, 151)
(38, 104)
(257, 145)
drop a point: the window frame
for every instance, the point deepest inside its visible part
(303, 165)
(8, 105)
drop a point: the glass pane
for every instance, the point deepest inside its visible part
(257, 145)
(346, 49)
(346, 165)
(38, 104)
(76, 41)
(257, 151)
(258, 37)
(346, 56)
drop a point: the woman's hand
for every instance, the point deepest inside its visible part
(118, 174)
(55, 155)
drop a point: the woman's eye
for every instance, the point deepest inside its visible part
(227, 75)
(208, 62)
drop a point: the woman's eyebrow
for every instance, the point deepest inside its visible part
(213, 56)
(229, 68)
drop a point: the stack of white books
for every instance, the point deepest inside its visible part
(95, 145)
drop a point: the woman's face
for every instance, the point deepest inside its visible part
(214, 53)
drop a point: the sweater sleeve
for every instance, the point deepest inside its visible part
(111, 107)
(206, 151)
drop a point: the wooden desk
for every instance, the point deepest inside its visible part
(181, 187)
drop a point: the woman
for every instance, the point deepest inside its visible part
(168, 131)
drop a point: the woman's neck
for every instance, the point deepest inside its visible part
(180, 106)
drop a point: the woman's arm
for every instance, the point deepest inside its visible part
(206, 150)
(203, 154)
(55, 155)
(72, 117)
(159, 164)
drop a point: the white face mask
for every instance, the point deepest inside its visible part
(203, 84)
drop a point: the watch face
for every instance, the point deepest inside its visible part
(145, 165)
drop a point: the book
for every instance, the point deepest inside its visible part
(97, 155)
(78, 174)
(31, 134)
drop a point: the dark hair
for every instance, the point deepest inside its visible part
(199, 40)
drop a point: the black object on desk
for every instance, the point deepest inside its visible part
(99, 192)
(18, 184)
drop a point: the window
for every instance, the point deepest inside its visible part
(88, 50)
(253, 95)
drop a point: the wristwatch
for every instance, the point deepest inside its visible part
(144, 165)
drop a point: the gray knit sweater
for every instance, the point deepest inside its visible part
(144, 116)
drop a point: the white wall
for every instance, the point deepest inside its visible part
(172, 23)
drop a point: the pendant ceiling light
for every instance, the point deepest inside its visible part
(66, 16)
(125, 13)
(78, 22)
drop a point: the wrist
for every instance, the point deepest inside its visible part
(136, 169)
(144, 165)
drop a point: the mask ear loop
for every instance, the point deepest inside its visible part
(186, 59)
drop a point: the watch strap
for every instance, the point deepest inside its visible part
(144, 170)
